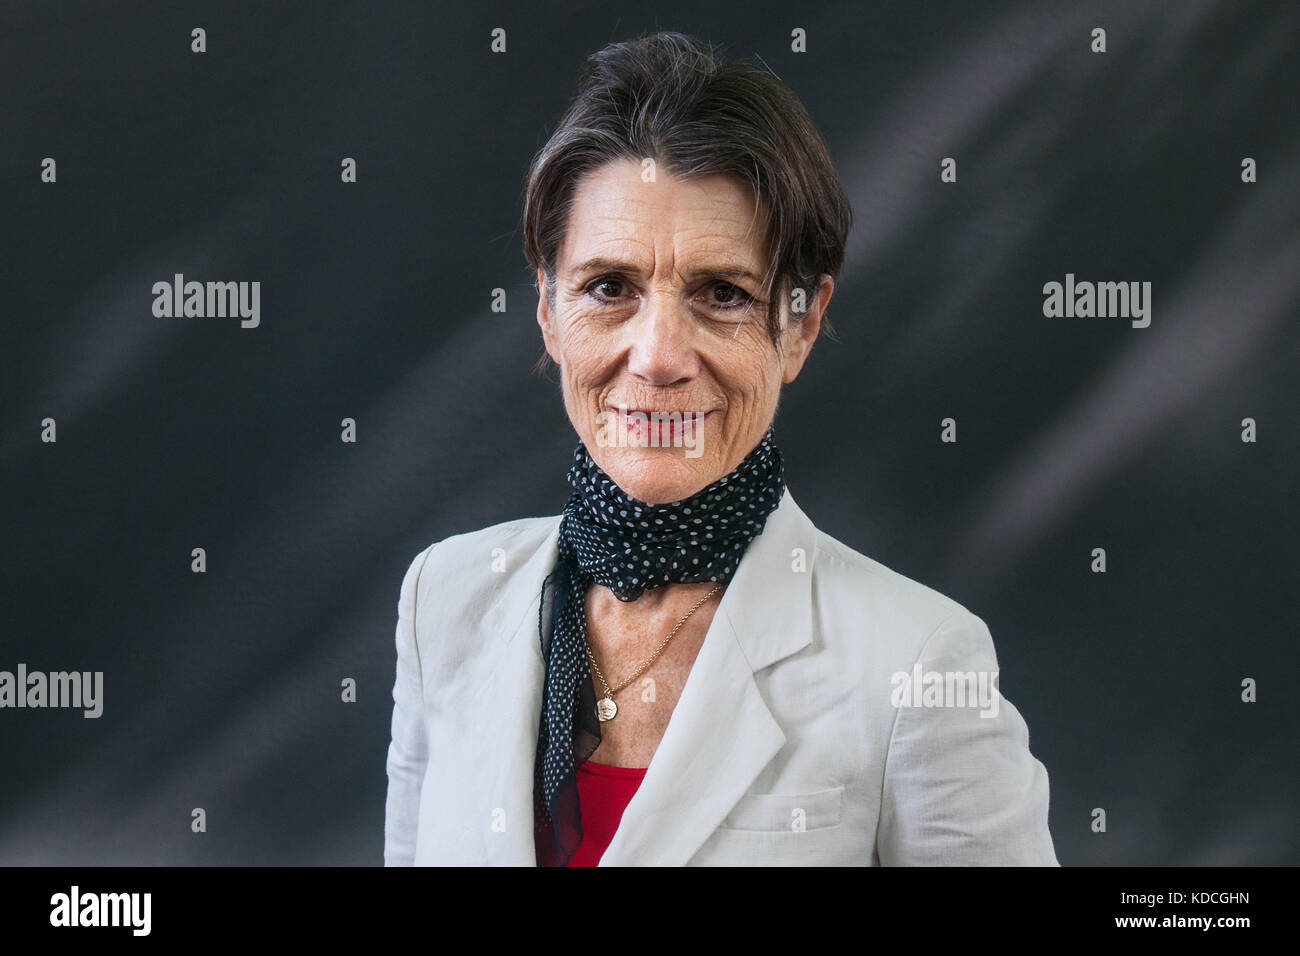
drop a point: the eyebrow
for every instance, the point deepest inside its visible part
(614, 265)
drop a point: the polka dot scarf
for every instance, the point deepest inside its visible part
(627, 545)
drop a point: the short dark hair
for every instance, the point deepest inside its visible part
(669, 97)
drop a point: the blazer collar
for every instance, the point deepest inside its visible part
(721, 733)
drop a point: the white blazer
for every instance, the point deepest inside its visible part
(792, 741)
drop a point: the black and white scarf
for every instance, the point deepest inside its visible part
(627, 545)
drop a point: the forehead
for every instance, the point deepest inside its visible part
(615, 212)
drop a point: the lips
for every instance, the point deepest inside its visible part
(661, 426)
(661, 413)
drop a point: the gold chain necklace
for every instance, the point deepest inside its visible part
(605, 707)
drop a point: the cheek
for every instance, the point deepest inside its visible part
(752, 372)
(583, 346)
(587, 369)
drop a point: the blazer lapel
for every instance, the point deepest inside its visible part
(505, 744)
(721, 733)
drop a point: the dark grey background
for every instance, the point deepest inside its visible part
(222, 690)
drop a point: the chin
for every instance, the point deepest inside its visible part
(658, 475)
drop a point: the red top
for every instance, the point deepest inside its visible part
(603, 795)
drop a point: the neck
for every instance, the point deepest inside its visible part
(671, 599)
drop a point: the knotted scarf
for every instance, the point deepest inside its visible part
(627, 545)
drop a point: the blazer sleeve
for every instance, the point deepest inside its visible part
(961, 787)
(408, 751)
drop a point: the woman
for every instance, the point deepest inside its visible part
(681, 668)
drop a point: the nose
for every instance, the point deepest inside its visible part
(663, 350)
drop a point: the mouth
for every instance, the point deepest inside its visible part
(660, 426)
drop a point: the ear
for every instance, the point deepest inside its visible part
(799, 338)
(544, 320)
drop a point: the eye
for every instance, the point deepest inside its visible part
(727, 296)
(606, 288)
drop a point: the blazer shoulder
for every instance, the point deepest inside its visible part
(518, 533)
(899, 606)
(455, 565)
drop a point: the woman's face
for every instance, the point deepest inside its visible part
(668, 373)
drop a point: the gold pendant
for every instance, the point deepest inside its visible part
(606, 708)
